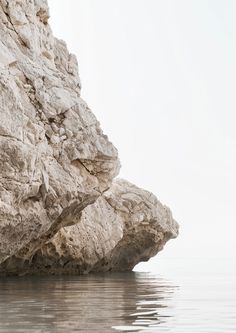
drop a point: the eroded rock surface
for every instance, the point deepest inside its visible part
(124, 226)
(54, 158)
(58, 209)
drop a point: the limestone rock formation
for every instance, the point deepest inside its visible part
(124, 226)
(58, 207)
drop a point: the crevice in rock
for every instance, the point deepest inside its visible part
(13, 27)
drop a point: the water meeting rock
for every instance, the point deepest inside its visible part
(60, 208)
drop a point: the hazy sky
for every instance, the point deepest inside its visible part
(160, 76)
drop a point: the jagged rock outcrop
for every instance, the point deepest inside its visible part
(54, 158)
(57, 204)
(124, 226)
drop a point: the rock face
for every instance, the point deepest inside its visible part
(59, 210)
(124, 226)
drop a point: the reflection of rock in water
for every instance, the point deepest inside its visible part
(148, 298)
(93, 303)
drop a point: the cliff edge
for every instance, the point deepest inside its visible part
(61, 211)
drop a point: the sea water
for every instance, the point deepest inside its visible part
(167, 295)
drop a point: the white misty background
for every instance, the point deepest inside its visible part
(160, 77)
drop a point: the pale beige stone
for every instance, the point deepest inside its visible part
(39, 96)
(124, 226)
(59, 210)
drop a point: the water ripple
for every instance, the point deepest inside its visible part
(106, 303)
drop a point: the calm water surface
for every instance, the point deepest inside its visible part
(200, 297)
